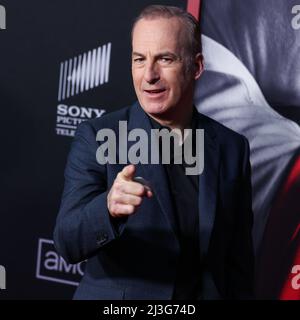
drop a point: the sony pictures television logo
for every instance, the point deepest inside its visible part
(2, 18)
(52, 267)
(79, 74)
(296, 17)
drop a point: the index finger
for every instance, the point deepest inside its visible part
(128, 172)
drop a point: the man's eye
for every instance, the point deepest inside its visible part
(138, 60)
(166, 60)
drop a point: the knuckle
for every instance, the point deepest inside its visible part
(114, 206)
(140, 190)
(118, 209)
(119, 175)
(118, 186)
(130, 209)
(113, 198)
(138, 201)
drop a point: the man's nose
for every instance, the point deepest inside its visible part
(151, 74)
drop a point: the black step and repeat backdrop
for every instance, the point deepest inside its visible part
(64, 62)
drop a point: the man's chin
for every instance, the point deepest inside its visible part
(154, 109)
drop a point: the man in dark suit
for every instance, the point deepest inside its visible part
(182, 236)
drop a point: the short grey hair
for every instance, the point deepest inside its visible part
(193, 31)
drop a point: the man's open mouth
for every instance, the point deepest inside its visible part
(155, 92)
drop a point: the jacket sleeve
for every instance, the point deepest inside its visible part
(83, 224)
(242, 253)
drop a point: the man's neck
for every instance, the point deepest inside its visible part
(179, 121)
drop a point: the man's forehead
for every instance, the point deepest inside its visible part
(152, 26)
(161, 33)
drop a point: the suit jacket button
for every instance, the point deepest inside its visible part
(101, 239)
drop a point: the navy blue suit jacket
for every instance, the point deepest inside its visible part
(136, 257)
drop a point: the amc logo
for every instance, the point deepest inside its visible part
(2, 18)
(52, 267)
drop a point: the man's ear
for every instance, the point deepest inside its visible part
(199, 65)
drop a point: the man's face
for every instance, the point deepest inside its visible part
(161, 81)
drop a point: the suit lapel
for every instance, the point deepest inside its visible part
(208, 182)
(154, 173)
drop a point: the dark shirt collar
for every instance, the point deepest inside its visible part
(157, 125)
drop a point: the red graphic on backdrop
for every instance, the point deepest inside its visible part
(193, 7)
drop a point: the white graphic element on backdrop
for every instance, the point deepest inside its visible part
(296, 19)
(85, 72)
(2, 278)
(2, 18)
(228, 93)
